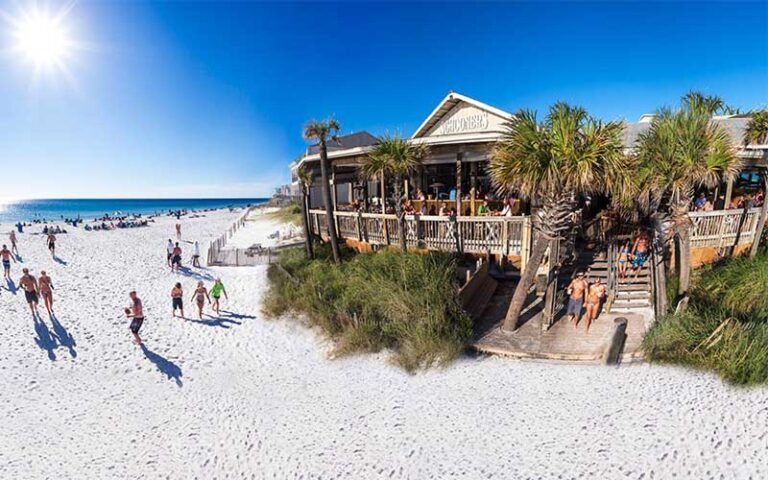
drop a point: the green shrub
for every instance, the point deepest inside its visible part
(406, 303)
(288, 213)
(724, 328)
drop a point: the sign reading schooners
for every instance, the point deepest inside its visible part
(458, 123)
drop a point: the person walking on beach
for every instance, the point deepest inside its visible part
(196, 254)
(135, 311)
(199, 296)
(51, 239)
(14, 248)
(169, 251)
(577, 291)
(216, 290)
(178, 231)
(46, 291)
(6, 257)
(176, 258)
(29, 284)
(177, 294)
(595, 296)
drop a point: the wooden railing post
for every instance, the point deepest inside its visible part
(525, 242)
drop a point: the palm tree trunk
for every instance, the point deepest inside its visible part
(329, 220)
(305, 221)
(659, 268)
(684, 263)
(540, 245)
(400, 213)
(761, 220)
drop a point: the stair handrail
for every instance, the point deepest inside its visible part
(612, 280)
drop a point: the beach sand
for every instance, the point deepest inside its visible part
(245, 397)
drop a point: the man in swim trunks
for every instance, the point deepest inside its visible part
(595, 295)
(216, 290)
(176, 258)
(640, 252)
(135, 311)
(51, 239)
(29, 284)
(169, 250)
(46, 291)
(176, 299)
(577, 291)
(12, 236)
(6, 257)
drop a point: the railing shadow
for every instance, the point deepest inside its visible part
(44, 339)
(64, 337)
(167, 367)
(216, 322)
(188, 272)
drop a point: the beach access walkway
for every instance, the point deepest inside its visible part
(562, 341)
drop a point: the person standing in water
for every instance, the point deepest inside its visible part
(14, 248)
(51, 239)
(216, 290)
(135, 311)
(177, 294)
(199, 296)
(196, 254)
(46, 291)
(169, 251)
(6, 256)
(29, 284)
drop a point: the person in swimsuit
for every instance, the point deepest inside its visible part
(178, 231)
(176, 258)
(216, 290)
(6, 257)
(196, 254)
(577, 291)
(46, 291)
(623, 259)
(595, 295)
(135, 311)
(29, 284)
(14, 248)
(640, 252)
(51, 239)
(176, 299)
(199, 296)
(169, 251)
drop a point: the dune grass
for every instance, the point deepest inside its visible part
(288, 213)
(371, 302)
(725, 328)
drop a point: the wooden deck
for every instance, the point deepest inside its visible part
(561, 342)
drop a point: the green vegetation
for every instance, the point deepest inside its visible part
(725, 328)
(288, 213)
(369, 302)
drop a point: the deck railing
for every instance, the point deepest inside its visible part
(494, 235)
(723, 228)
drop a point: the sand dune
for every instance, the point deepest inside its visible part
(238, 396)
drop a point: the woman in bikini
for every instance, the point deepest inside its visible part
(623, 260)
(595, 295)
(176, 299)
(199, 296)
(46, 290)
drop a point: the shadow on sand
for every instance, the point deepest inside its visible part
(44, 339)
(10, 286)
(215, 321)
(19, 259)
(239, 316)
(59, 260)
(202, 275)
(64, 337)
(167, 367)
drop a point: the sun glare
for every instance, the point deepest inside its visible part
(42, 39)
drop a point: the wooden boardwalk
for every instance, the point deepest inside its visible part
(562, 341)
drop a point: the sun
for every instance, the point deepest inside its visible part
(42, 39)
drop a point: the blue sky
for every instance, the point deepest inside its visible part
(208, 99)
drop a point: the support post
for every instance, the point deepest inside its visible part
(384, 209)
(728, 194)
(761, 219)
(459, 158)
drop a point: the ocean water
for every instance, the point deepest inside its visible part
(88, 209)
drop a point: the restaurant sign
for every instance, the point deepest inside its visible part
(466, 119)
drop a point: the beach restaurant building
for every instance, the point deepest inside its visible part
(460, 133)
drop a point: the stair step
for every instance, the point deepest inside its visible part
(634, 287)
(637, 294)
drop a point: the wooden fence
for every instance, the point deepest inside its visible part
(723, 228)
(218, 255)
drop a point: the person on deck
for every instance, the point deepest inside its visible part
(577, 293)
(640, 252)
(623, 259)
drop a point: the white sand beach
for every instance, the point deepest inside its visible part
(244, 397)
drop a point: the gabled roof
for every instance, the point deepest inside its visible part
(447, 104)
(357, 139)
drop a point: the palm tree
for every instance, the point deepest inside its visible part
(568, 154)
(757, 133)
(305, 181)
(321, 132)
(398, 157)
(683, 150)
